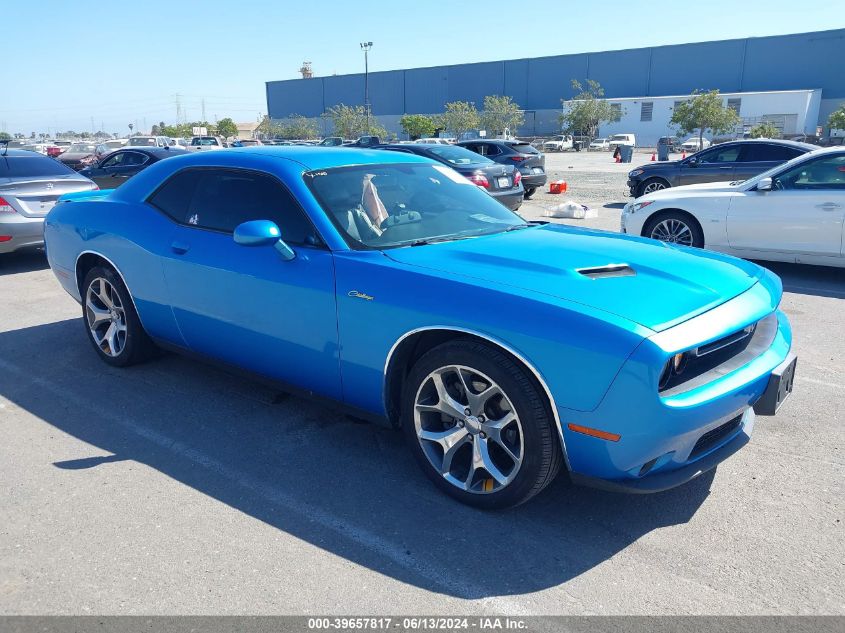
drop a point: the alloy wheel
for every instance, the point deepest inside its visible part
(106, 317)
(468, 429)
(653, 186)
(673, 231)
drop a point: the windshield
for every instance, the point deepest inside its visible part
(81, 148)
(31, 167)
(385, 206)
(777, 169)
(619, 137)
(458, 155)
(205, 140)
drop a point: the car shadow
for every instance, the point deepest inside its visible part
(614, 205)
(23, 261)
(303, 468)
(820, 281)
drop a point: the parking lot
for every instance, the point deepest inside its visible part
(172, 487)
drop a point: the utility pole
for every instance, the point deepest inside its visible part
(203, 108)
(366, 46)
(178, 109)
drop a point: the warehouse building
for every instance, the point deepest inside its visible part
(793, 80)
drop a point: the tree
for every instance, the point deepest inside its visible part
(5, 136)
(500, 114)
(351, 121)
(587, 110)
(299, 127)
(417, 125)
(460, 117)
(227, 128)
(837, 119)
(704, 112)
(766, 129)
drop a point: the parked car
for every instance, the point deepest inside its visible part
(794, 212)
(673, 142)
(558, 143)
(365, 141)
(210, 142)
(106, 147)
(599, 144)
(251, 142)
(432, 141)
(504, 351)
(695, 144)
(502, 182)
(39, 148)
(177, 143)
(118, 166)
(621, 139)
(735, 160)
(79, 155)
(30, 184)
(331, 141)
(148, 141)
(530, 163)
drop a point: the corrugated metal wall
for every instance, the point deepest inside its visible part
(808, 60)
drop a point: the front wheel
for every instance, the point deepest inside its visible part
(675, 227)
(651, 185)
(530, 192)
(478, 426)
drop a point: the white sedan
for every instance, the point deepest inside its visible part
(792, 213)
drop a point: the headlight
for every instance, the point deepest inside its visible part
(636, 172)
(674, 367)
(636, 206)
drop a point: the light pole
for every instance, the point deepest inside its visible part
(366, 46)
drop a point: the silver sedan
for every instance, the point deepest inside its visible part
(30, 184)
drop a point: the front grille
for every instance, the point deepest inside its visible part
(715, 436)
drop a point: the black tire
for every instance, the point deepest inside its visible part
(677, 216)
(656, 184)
(137, 345)
(530, 192)
(541, 450)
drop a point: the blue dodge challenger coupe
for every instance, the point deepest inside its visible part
(395, 286)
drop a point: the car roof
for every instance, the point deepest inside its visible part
(21, 152)
(161, 152)
(772, 141)
(314, 157)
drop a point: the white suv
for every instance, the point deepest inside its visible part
(621, 139)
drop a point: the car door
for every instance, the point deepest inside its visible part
(246, 305)
(755, 158)
(711, 165)
(118, 168)
(802, 214)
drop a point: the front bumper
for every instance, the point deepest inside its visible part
(24, 232)
(667, 438)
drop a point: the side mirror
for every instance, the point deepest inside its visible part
(263, 233)
(692, 161)
(765, 184)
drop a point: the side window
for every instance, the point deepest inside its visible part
(114, 161)
(764, 152)
(223, 199)
(133, 159)
(722, 155)
(173, 198)
(823, 173)
(491, 150)
(474, 147)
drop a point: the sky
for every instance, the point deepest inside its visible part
(88, 65)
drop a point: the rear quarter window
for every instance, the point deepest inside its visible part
(523, 148)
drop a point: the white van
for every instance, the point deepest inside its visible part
(621, 139)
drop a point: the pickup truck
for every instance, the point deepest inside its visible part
(205, 142)
(558, 143)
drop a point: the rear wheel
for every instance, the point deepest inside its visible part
(530, 192)
(478, 426)
(675, 227)
(111, 322)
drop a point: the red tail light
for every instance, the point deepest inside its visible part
(517, 177)
(480, 180)
(5, 207)
(5, 238)
(518, 159)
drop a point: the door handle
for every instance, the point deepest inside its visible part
(829, 206)
(180, 248)
(725, 167)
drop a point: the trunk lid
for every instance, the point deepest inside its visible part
(34, 198)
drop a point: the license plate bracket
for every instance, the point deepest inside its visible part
(503, 182)
(780, 386)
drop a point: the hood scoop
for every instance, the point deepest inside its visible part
(608, 270)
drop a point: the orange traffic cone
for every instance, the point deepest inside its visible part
(653, 157)
(618, 158)
(683, 154)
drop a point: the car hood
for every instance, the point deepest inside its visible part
(74, 156)
(659, 165)
(670, 284)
